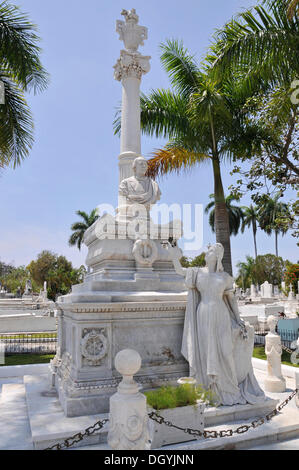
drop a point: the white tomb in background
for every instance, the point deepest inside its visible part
(131, 296)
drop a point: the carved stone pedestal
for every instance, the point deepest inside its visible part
(90, 336)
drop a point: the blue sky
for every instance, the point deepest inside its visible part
(73, 164)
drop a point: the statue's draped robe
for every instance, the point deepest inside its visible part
(140, 190)
(218, 355)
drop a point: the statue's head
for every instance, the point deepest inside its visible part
(215, 254)
(140, 166)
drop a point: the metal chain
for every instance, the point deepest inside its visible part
(290, 351)
(79, 436)
(193, 432)
(227, 432)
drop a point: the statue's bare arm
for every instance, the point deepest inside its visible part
(176, 255)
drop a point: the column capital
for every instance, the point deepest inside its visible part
(131, 65)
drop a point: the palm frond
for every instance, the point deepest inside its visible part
(256, 40)
(164, 113)
(19, 52)
(174, 160)
(181, 67)
(16, 130)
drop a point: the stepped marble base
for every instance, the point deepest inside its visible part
(49, 424)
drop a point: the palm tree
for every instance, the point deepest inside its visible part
(79, 228)
(262, 41)
(246, 272)
(292, 8)
(235, 214)
(268, 215)
(201, 120)
(250, 219)
(20, 71)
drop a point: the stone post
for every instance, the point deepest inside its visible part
(274, 382)
(129, 70)
(297, 386)
(252, 291)
(128, 429)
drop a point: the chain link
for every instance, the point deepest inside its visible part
(79, 436)
(227, 432)
(288, 350)
(206, 434)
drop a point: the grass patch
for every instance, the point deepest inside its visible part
(259, 353)
(174, 397)
(24, 359)
(29, 336)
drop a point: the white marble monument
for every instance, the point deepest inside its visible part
(128, 420)
(266, 291)
(274, 381)
(217, 344)
(131, 297)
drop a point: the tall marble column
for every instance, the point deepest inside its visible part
(129, 70)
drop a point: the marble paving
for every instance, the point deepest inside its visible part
(17, 406)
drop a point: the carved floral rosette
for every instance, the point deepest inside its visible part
(131, 434)
(94, 346)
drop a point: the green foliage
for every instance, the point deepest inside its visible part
(235, 214)
(198, 261)
(245, 275)
(260, 42)
(183, 395)
(79, 228)
(15, 278)
(291, 276)
(57, 271)
(23, 359)
(21, 70)
(5, 269)
(268, 267)
(259, 353)
(202, 119)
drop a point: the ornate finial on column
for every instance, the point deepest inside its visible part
(133, 36)
(129, 70)
(128, 413)
(130, 32)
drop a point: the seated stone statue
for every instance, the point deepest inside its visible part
(216, 342)
(139, 189)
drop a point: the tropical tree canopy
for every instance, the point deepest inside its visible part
(200, 116)
(250, 220)
(269, 216)
(57, 271)
(21, 70)
(198, 261)
(235, 214)
(79, 228)
(265, 268)
(262, 42)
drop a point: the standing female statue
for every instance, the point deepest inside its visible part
(216, 342)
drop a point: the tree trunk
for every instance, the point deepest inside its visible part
(221, 218)
(276, 242)
(255, 247)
